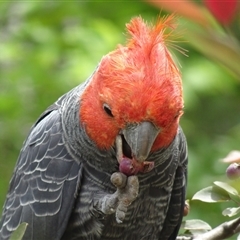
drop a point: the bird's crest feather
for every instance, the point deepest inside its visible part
(138, 81)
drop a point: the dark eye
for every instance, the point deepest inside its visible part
(107, 110)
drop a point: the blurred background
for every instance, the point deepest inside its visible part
(49, 47)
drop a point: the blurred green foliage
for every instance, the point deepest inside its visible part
(47, 48)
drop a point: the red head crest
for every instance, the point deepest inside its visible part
(137, 82)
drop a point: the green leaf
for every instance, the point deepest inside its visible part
(212, 194)
(19, 232)
(196, 226)
(226, 187)
(231, 211)
(232, 192)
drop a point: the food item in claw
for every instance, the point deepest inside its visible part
(131, 167)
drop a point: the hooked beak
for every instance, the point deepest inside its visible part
(139, 138)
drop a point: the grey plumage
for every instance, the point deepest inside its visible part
(61, 175)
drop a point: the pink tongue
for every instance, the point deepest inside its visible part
(132, 167)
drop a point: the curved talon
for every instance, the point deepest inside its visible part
(120, 213)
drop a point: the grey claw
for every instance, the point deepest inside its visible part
(127, 192)
(126, 196)
(119, 180)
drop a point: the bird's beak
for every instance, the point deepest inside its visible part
(140, 138)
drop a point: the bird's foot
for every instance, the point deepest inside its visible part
(118, 202)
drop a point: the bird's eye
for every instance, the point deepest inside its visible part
(107, 110)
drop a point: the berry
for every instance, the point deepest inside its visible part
(132, 167)
(233, 171)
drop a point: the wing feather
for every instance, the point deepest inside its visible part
(44, 174)
(176, 205)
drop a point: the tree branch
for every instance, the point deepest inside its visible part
(223, 231)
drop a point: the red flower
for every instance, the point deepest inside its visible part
(222, 10)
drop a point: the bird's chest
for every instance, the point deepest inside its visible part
(144, 217)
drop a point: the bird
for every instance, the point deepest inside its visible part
(108, 160)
